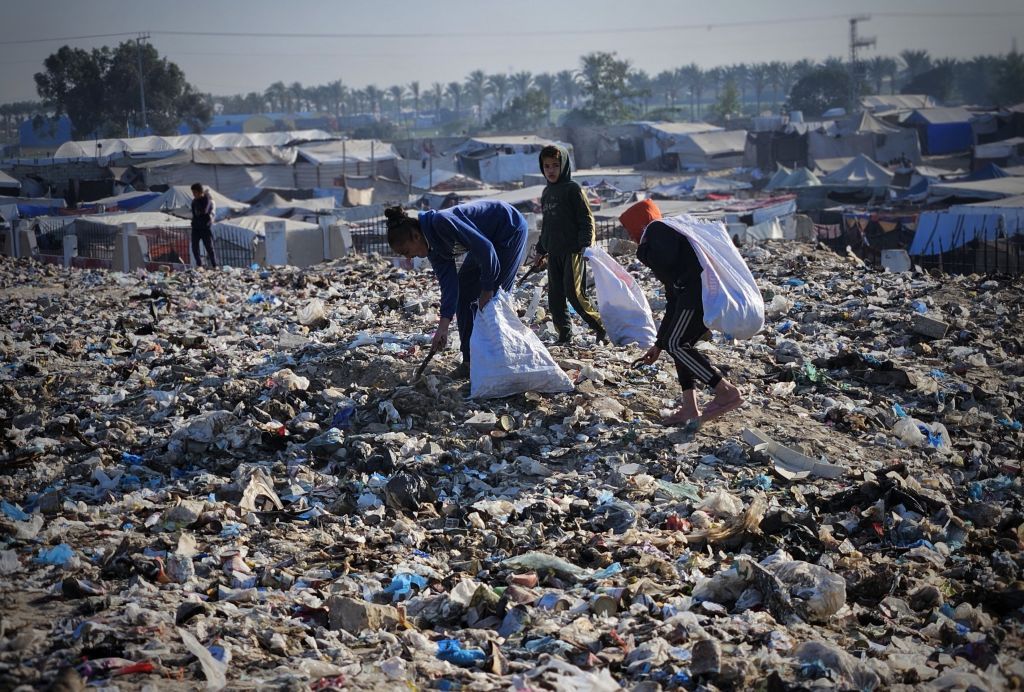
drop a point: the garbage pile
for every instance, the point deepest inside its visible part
(232, 478)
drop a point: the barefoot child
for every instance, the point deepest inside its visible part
(673, 261)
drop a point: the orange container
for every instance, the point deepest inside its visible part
(636, 218)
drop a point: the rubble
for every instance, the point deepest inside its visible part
(247, 488)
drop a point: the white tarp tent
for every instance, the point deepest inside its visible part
(305, 241)
(996, 188)
(710, 149)
(1010, 208)
(861, 172)
(156, 145)
(504, 159)
(8, 184)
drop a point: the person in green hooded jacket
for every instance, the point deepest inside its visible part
(566, 231)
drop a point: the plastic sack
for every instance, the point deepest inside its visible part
(507, 358)
(621, 302)
(732, 301)
(312, 313)
(916, 433)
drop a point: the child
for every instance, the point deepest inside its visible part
(673, 261)
(567, 230)
(493, 236)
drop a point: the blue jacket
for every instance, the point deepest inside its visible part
(483, 229)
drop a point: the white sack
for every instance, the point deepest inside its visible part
(621, 302)
(732, 301)
(506, 357)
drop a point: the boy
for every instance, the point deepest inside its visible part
(567, 230)
(203, 209)
(672, 260)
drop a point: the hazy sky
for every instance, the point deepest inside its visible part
(386, 42)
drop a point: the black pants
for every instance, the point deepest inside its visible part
(205, 235)
(687, 327)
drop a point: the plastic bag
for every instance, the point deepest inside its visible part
(733, 303)
(313, 312)
(621, 302)
(507, 357)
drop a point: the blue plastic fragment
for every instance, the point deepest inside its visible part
(57, 555)
(131, 458)
(608, 571)
(795, 282)
(343, 417)
(898, 410)
(451, 650)
(13, 511)
(402, 583)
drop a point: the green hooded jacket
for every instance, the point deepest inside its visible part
(568, 225)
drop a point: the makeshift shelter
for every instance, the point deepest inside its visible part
(279, 207)
(9, 185)
(504, 159)
(863, 133)
(163, 146)
(1006, 152)
(785, 179)
(862, 172)
(658, 138)
(1010, 208)
(887, 103)
(127, 201)
(710, 150)
(177, 200)
(244, 237)
(941, 231)
(943, 130)
(994, 188)
(697, 186)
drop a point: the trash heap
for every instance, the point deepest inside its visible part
(230, 478)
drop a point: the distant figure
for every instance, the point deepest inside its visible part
(202, 224)
(450, 200)
(567, 229)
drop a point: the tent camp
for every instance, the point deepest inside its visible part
(785, 179)
(163, 146)
(1010, 208)
(863, 133)
(994, 188)
(862, 172)
(942, 130)
(244, 237)
(177, 200)
(504, 159)
(710, 150)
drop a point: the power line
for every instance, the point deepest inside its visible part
(696, 26)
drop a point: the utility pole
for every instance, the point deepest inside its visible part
(142, 81)
(855, 43)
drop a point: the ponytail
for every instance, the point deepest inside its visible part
(400, 226)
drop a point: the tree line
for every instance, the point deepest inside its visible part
(99, 90)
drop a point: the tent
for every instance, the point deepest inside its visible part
(942, 231)
(9, 185)
(994, 188)
(126, 201)
(504, 159)
(279, 207)
(896, 102)
(861, 172)
(709, 150)
(1011, 209)
(698, 185)
(943, 130)
(863, 133)
(244, 236)
(178, 200)
(157, 145)
(785, 179)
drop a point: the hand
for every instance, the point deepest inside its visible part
(484, 299)
(440, 338)
(652, 355)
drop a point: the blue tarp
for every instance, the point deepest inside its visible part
(939, 232)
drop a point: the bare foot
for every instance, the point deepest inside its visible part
(682, 416)
(722, 404)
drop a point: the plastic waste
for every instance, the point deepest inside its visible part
(451, 650)
(59, 555)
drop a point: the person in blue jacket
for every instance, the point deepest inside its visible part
(493, 237)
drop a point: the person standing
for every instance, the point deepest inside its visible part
(203, 208)
(493, 237)
(567, 230)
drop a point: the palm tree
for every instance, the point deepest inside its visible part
(774, 76)
(667, 82)
(397, 92)
(917, 62)
(455, 92)
(740, 75)
(497, 84)
(476, 83)
(521, 83)
(696, 79)
(296, 93)
(336, 96)
(714, 78)
(414, 89)
(568, 87)
(758, 80)
(277, 94)
(546, 83)
(875, 70)
(374, 96)
(640, 84)
(437, 96)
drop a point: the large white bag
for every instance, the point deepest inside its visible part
(506, 357)
(732, 301)
(620, 300)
